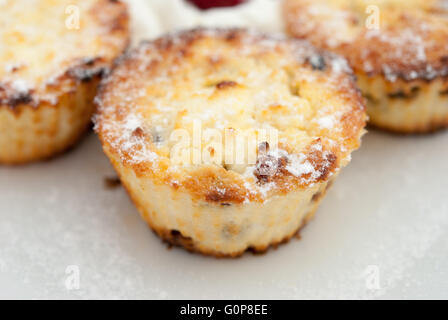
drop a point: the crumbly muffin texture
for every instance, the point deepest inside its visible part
(229, 80)
(402, 61)
(52, 55)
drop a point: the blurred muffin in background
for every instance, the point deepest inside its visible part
(52, 56)
(398, 50)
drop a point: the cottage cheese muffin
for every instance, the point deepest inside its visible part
(227, 139)
(52, 55)
(398, 50)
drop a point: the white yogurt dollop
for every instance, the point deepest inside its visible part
(156, 17)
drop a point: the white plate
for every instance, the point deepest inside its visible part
(382, 231)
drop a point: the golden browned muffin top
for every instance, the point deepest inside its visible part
(47, 45)
(298, 106)
(405, 39)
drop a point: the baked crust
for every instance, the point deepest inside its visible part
(141, 70)
(407, 53)
(228, 79)
(49, 71)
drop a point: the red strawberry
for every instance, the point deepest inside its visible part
(207, 4)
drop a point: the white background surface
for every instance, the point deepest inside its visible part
(388, 209)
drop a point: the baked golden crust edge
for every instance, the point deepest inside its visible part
(400, 67)
(40, 122)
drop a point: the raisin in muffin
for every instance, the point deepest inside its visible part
(397, 49)
(52, 55)
(297, 108)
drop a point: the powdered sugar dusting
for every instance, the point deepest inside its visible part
(21, 86)
(407, 42)
(155, 91)
(37, 52)
(410, 48)
(129, 142)
(326, 122)
(298, 165)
